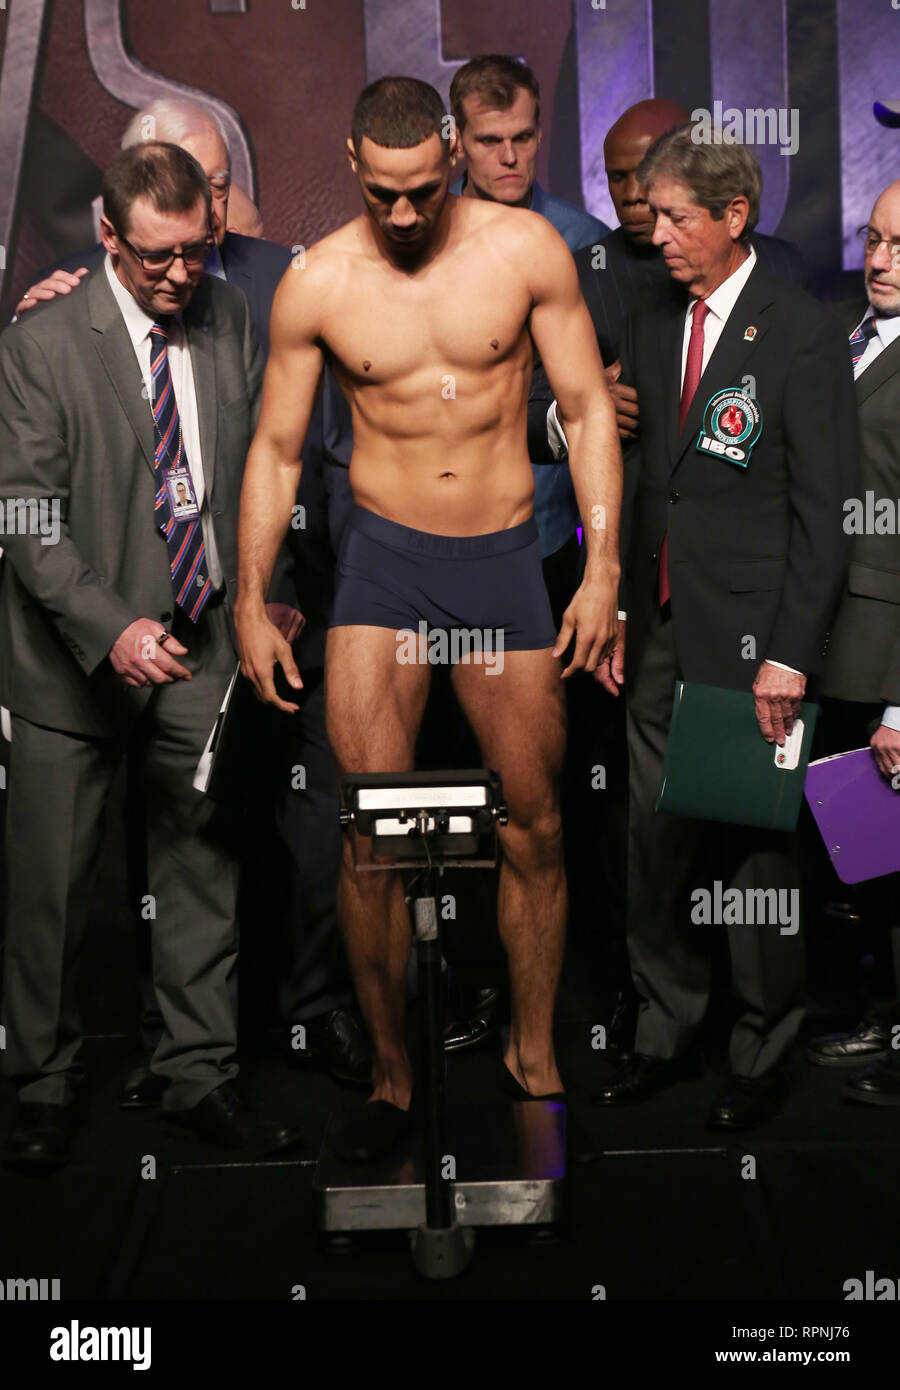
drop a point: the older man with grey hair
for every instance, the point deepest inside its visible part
(730, 578)
(254, 265)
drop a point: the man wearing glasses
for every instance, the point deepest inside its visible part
(117, 639)
(254, 265)
(862, 675)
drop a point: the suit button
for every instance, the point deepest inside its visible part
(165, 617)
(674, 497)
(653, 556)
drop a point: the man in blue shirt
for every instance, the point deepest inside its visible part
(496, 104)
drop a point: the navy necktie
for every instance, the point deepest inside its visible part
(187, 553)
(860, 340)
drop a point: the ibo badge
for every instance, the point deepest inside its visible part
(732, 423)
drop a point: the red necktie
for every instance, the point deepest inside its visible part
(692, 374)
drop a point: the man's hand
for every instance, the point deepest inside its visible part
(625, 400)
(592, 619)
(779, 695)
(886, 743)
(611, 672)
(144, 654)
(289, 621)
(261, 648)
(60, 282)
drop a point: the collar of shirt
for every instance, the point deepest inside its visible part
(887, 329)
(723, 299)
(137, 320)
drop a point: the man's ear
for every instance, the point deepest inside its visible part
(351, 155)
(737, 213)
(107, 235)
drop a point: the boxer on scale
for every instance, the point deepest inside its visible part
(428, 309)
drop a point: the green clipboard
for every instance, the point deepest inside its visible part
(719, 767)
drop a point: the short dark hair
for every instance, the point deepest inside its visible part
(397, 113)
(165, 174)
(495, 79)
(715, 173)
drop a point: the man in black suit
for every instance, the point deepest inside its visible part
(628, 262)
(862, 673)
(615, 275)
(731, 575)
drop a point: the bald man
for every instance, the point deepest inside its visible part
(862, 676)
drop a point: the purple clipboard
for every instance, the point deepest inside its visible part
(858, 814)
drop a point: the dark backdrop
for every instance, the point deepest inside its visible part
(285, 77)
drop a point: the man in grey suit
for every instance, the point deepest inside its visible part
(862, 675)
(120, 636)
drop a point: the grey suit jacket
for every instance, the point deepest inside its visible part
(75, 427)
(864, 651)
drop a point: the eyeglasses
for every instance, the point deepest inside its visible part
(872, 241)
(159, 261)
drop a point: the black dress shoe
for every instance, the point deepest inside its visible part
(40, 1140)
(222, 1118)
(142, 1089)
(878, 1084)
(868, 1042)
(639, 1078)
(477, 1026)
(336, 1042)
(747, 1101)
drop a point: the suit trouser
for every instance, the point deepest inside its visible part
(58, 788)
(669, 858)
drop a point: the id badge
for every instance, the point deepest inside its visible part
(732, 423)
(182, 498)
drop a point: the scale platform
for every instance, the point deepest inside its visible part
(510, 1170)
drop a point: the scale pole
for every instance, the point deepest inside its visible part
(438, 1206)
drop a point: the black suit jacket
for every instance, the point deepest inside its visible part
(758, 552)
(864, 652)
(612, 285)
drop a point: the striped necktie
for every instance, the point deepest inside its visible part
(859, 340)
(184, 539)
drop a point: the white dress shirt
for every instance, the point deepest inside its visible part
(138, 323)
(886, 331)
(720, 304)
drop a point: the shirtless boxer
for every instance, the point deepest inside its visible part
(425, 306)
